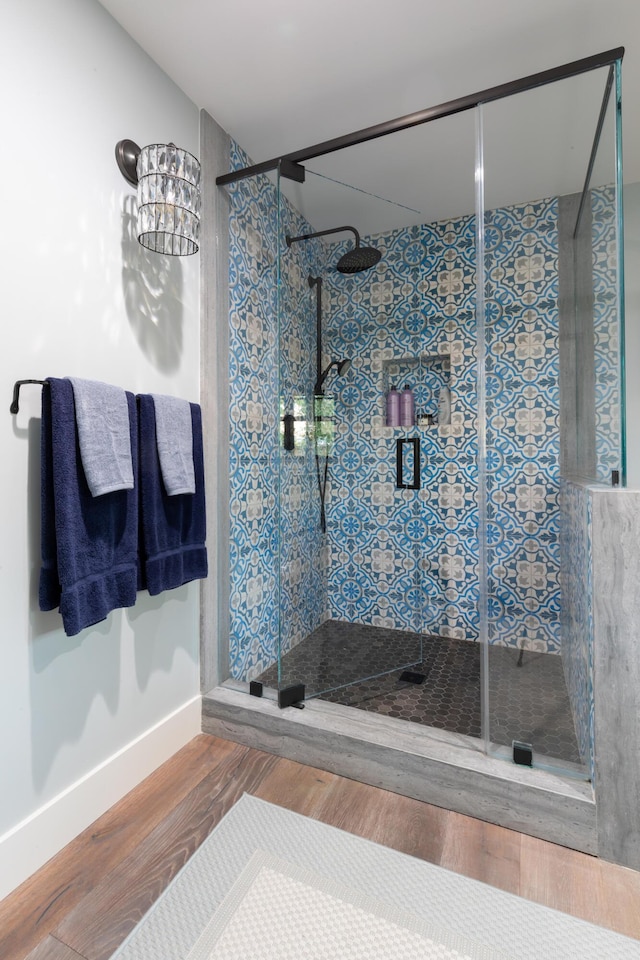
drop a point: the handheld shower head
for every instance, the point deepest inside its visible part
(341, 366)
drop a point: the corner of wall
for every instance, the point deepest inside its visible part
(215, 148)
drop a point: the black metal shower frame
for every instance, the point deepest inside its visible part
(290, 164)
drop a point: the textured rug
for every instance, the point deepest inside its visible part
(278, 911)
(271, 884)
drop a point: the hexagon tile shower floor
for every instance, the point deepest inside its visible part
(527, 702)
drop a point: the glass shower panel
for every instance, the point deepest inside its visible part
(253, 424)
(593, 420)
(536, 152)
(399, 553)
(598, 415)
(340, 568)
(306, 439)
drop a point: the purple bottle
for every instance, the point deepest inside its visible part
(393, 408)
(407, 407)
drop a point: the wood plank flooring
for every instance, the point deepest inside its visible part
(85, 901)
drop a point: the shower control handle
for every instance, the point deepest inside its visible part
(415, 443)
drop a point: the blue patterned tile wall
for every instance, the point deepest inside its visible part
(408, 559)
(523, 446)
(253, 369)
(278, 578)
(398, 558)
(303, 581)
(606, 331)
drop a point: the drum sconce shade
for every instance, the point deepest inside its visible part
(168, 182)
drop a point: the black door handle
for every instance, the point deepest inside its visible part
(400, 442)
(289, 442)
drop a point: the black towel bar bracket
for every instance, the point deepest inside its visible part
(16, 393)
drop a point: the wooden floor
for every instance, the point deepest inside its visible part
(85, 901)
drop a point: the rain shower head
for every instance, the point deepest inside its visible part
(342, 366)
(360, 258)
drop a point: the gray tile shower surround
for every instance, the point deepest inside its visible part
(527, 702)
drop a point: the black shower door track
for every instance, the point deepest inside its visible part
(290, 163)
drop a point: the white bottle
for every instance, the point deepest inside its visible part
(444, 406)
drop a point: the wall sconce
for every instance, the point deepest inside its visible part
(168, 182)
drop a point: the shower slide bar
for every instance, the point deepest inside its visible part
(290, 163)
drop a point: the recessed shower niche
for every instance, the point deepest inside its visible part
(429, 377)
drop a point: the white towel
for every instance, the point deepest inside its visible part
(174, 438)
(102, 417)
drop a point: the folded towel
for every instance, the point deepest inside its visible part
(172, 544)
(102, 415)
(89, 545)
(174, 435)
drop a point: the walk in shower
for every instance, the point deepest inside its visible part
(435, 572)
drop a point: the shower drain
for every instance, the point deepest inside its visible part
(410, 676)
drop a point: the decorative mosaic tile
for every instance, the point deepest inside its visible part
(278, 580)
(606, 331)
(419, 302)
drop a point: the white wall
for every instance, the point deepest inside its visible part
(80, 297)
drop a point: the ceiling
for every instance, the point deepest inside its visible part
(280, 75)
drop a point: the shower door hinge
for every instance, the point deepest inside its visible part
(291, 696)
(615, 478)
(522, 753)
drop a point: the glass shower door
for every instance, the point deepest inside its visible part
(253, 425)
(351, 528)
(550, 406)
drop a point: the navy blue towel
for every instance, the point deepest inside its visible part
(173, 529)
(89, 544)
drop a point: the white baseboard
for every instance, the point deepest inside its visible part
(28, 845)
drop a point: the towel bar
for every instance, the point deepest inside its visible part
(16, 393)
